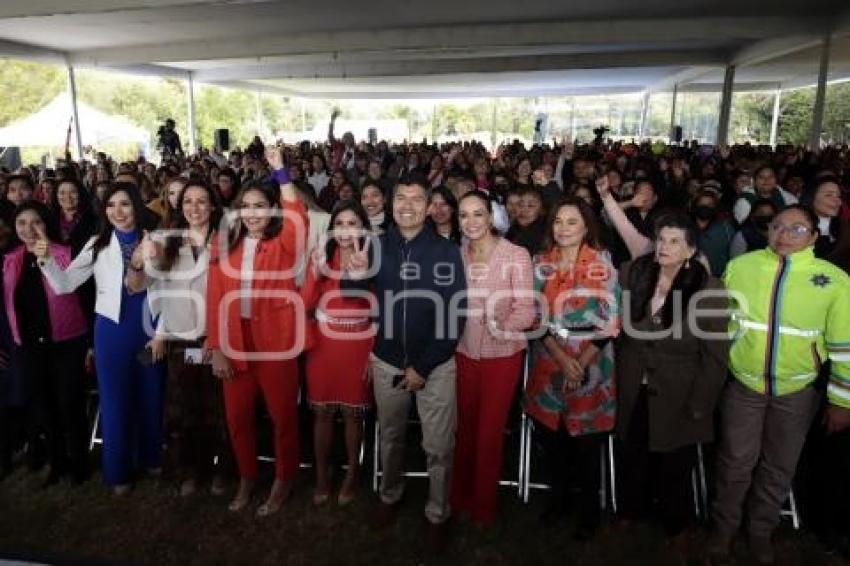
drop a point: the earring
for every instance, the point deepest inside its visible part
(688, 263)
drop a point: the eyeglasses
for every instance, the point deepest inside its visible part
(795, 231)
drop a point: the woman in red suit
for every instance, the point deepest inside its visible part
(255, 327)
(341, 337)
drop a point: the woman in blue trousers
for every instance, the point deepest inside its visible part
(130, 381)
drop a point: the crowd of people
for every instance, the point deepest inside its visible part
(675, 297)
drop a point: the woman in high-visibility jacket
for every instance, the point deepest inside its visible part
(790, 314)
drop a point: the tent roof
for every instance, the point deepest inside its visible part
(383, 48)
(49, 127)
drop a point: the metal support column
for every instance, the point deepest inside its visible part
(722, 137)
(190, 111)
(494, 137)
(644, 115)
(259, 113)
(672, 132)
(72, 88)
(820, 95)
(774, 119)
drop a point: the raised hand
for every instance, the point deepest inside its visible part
(603, 187)
(319, 256)
(358, 262)
(274, 156)
(144, 251)
(568, 148)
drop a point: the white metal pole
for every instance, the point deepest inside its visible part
(190, 111)
(644, 115)
(259, 113)
(672, 134)
(493, 137)
(72, 88)
(820, 95)
(774, 119)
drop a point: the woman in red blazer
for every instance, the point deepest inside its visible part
(256, 326)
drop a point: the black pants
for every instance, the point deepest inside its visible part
(195, 426)
(54, 381)
(573, 461)
(655, 483)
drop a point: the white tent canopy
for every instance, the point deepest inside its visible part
(48, 127)
(451, 49)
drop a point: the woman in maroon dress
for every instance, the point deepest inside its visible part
(339, 342)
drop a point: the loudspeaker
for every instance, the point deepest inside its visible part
(678, 133)
(222, 139)
(373, 136)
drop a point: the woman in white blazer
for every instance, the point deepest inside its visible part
(130, 381)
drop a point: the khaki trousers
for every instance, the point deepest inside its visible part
(436, 404)
(761, 438)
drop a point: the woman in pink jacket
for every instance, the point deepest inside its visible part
(50, 332)
(489, 355)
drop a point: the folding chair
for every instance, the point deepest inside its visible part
(792, 511)
(699, 486)
(93, 405)
(608, 471)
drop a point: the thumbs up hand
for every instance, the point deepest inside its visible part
(144, 251)
(41, 249)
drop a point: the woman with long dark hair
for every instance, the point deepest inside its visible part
(374, 200)
(571, 392)
(74, 214)
(50, 331)
(197, 444)
(254, 339)
(442, 214)
(669, 375)
(825, 199)
(129, 380)
(340, 331)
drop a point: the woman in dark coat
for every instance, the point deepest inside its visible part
(668, 381)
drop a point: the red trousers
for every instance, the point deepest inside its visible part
(278, 382)
(485, 390)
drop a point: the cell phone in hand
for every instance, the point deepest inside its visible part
(397, 379)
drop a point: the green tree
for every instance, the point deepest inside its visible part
(27, 86)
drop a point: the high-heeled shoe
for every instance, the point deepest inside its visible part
(345, 498)
(348, 490)
(320, 499)
(281, 490)
(243, 496)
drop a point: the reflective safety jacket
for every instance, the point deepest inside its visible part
(789, 314)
